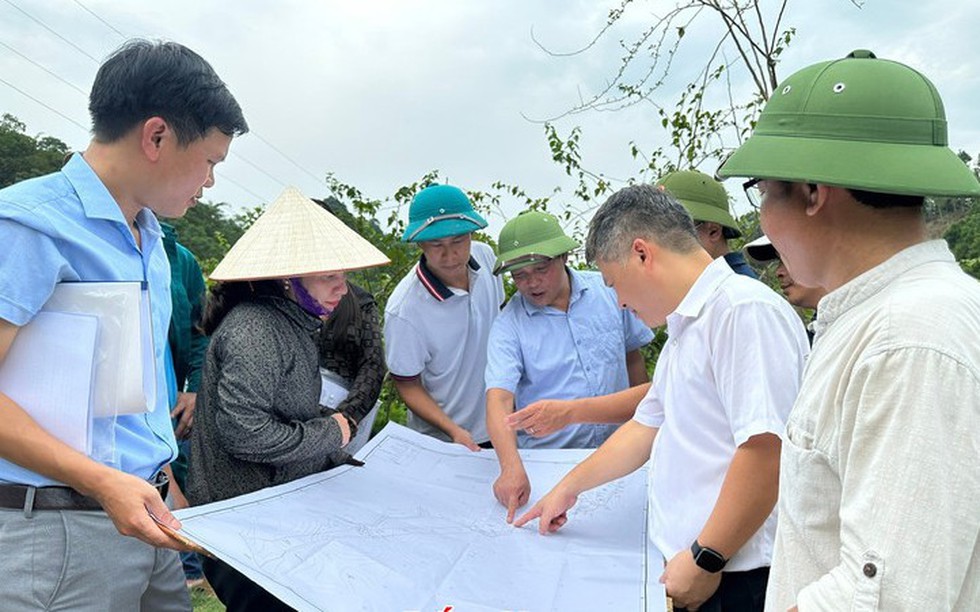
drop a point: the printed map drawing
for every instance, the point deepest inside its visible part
(417, 528)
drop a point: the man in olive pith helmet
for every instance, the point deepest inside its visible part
(438, 318)
(563, 336)
(707, 202)
(879, 481)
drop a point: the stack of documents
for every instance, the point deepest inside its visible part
(88, 354)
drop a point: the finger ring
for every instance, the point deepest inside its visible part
(530, 430)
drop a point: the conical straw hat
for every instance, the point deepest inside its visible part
(295, 237)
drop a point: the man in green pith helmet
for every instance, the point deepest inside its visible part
(438, 318)
(562, 336)
(707, 202)
(879, 480)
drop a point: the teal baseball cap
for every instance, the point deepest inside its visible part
(703, 197)
(528, 238)
(441, 211)
(859, 122)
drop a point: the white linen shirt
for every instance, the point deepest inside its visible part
(730, 370)
(439, 334)
(880, 477)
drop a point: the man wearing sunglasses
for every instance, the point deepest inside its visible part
(562, 336)
(438, 318)
(879, 480)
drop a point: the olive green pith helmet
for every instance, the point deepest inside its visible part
(858, 122)
(529, 238)
(703, 197)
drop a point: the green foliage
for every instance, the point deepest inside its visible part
(964, 235)
(971, 267)
(204, 600)
(23, 156)
(208, 232)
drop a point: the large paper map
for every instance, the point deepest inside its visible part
(418, 528)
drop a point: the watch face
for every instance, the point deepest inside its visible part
(708, 559)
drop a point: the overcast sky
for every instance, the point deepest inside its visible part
(381, 91)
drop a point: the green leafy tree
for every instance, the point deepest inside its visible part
(23, 156)
(208, 232)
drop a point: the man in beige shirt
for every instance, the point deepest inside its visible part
(879, 481)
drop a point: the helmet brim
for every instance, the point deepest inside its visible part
(515, 259)
(445, 228)
(900, 169)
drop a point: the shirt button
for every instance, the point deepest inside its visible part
(870, 570)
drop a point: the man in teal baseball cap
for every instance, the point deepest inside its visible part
(707, 202)
(563, 336)
(879, 484)
(438, 318)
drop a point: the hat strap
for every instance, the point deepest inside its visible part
(437, 218)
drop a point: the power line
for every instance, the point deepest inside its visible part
(240, 186)
(55, 75)
(106, 23)
(49, 29)
(287, 158)
(257, 167)
(78, 89)
(252, 132)
(53, 110)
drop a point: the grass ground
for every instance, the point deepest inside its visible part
(203, 599)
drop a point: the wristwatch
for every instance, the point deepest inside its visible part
(708, 559)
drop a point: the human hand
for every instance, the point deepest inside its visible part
(687, 584)
(512, 489)
(551, 510)
(130, 501)
(542, 417)
(184, 410)
(344, 428)
(461, 436)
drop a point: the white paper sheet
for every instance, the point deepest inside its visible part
(48, 372)
(125, 379)
(418, 528)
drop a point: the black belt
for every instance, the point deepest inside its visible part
(26, 498)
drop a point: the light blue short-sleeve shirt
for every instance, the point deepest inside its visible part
(66, 227)
(544, 353)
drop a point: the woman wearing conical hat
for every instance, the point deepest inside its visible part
(258, 420)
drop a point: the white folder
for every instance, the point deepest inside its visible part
(125, 371)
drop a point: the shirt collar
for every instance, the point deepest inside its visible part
(150, 228)
(431, 282)
(870, 283)
(96, 200)
(707, 282)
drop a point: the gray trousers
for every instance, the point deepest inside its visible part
(76, 560)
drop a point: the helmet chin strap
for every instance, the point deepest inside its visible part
(305, 300)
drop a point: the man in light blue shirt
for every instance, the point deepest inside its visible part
(162, 119)
(562, 336)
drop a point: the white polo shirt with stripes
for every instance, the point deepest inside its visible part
(439, 334)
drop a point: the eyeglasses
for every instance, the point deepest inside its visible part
(753, 193)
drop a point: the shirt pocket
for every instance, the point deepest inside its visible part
(809, 484)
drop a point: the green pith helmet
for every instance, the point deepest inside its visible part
(858, 122)
(441, 211)
(529, 238)
(703, 197)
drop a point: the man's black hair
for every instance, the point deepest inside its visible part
(144, 79)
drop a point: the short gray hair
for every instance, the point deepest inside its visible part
(639, 211)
